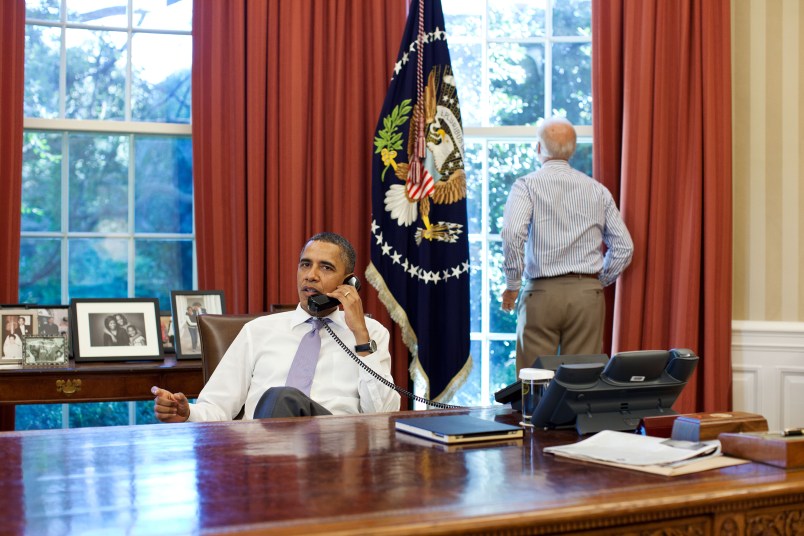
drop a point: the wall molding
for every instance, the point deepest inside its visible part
(767, 369)
(781, 336)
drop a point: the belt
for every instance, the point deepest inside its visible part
(571, 274)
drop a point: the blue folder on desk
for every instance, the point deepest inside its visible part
(457, 429)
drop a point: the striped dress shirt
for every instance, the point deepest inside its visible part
(554, 223)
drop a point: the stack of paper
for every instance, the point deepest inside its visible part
(644, 453)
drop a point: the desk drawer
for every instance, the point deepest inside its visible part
(94, 386)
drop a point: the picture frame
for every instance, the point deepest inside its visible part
(166, 331)
(45, 351)
(187, 305)
(52, 321)
(97, 334)
(17, 323)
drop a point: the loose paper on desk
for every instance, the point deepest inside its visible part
(645, 453)
(634, 449)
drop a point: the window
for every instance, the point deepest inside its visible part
(107, 196)
(515, 62)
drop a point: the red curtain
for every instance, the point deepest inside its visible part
(12, 78)
(286, 96)
(662, 130)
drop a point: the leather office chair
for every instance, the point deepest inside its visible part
(217, 333)
(282, 307)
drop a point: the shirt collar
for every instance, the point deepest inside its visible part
(300, 316)
(556, 163)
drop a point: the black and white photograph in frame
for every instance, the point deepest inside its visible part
(187, 306)
(18, 323)
(45, 351)
(125, 329)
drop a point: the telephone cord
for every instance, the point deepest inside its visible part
(417, 398)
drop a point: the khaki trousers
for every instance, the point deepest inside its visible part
(559, 315)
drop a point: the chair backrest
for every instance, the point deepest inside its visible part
(217, 333)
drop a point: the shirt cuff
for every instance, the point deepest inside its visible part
(513, 284)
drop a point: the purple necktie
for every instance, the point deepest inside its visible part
(302, 369)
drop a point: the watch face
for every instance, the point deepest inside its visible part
(370, 346)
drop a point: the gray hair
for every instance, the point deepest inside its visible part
(558, 137)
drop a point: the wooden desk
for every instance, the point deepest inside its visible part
(349, 475)
(94, 382)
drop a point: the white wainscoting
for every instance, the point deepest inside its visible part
(768, 370)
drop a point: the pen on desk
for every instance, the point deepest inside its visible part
(793, 432)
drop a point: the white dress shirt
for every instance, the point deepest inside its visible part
(554, 223)
(260, 357)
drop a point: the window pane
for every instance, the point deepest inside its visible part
(42, 45)
(162, 266)
(512, 19)
(38, 417)
(160, 83)
(42, 9)
(473, 165)
(516, 79)
(582, 159)
(145, 412)
(41, 181)
(98, 183)
(507, 162)
(98, 268)
(98, 414)
(98, 12)
(469, 394)
(502, 362)
(161, 15)
(96, 74)
(499, 321)
(467, 64)
(40, 270)
(475, 284)
(572, 82)
(164, 184)
(572, 17)
(463, 18)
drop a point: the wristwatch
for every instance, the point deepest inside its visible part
(370, 346)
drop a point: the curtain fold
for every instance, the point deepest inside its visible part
(286, 95)
(662, 127)
(12, 83)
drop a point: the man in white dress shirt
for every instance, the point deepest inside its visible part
(555, 223)
(260, 357)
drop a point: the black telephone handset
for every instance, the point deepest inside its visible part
(322, 302)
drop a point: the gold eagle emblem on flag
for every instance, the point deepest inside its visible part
(439, 176)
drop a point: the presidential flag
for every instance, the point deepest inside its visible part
(419, 247)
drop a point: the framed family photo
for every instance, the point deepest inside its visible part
(52, 321)
(45, 351)
(18, 324)
(187, 306)
(125, 329)
(166, 331)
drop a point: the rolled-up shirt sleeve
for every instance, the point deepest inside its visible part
(375, 396)
(619, 245)
(516, 225)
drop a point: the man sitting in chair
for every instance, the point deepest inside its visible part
(265, 369)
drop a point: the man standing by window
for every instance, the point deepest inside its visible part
(555, 223)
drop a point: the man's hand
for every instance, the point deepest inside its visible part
(353, 312)
(169, 407)
(509, 300)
